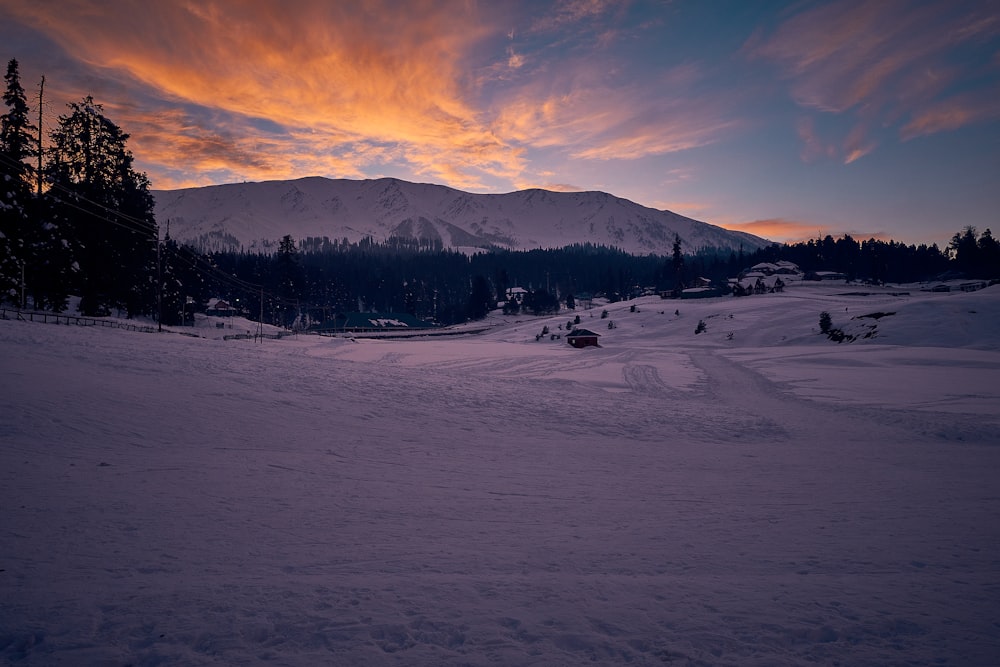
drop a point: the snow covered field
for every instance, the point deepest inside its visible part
(752, 495)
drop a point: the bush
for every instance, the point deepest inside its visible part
(825, 322)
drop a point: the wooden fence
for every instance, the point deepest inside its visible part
(50, 318)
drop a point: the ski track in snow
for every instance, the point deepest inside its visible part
(478, 502)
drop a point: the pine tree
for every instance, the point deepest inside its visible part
(480, 300)
(825, 322)
(290, 277)
(989, 256)
(677, 260)
(17, 144)
(111, 232)
(965, 250)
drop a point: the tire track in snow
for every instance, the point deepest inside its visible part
(741, 388)
(736, 388)
(644, 379)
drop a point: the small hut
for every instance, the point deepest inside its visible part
(582, 338)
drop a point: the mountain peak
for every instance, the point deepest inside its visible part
(255, 215)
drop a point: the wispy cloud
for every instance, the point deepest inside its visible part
(572, 12)
(953, 113)
(813, 146)
(593, 115)
(343, 73)
(897, 63)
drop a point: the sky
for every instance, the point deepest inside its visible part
(789, 120)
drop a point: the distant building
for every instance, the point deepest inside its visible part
(782, 268)
(516, 294)
(369, 322)
(220, 308)
(582, 338)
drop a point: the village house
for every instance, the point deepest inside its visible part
(516, 294)
(582, 338)
(220, 308)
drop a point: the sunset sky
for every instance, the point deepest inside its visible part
(784, 119)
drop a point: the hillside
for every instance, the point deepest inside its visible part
(257, 215)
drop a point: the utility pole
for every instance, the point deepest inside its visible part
(41, 90)
(260, 325)
(159, 288)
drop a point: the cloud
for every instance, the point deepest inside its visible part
(591, 115)
(514, 59)
(779, 229)
(858, 144)
(571, 12)
(896, 63)
(953, 113)
(783, 230)
(553, 187)
(813, 147)
(344, 74)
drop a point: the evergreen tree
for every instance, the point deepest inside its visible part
(965, 250)
(825, 322)
(677, 260)
(17, 144)
(111, 232)
(989, 256)
(480, 300)
(290, 279)
(540, 302)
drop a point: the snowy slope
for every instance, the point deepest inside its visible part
(256, 215)
(752, 495)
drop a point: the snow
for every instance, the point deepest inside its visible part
(256, 215)
(753, 495)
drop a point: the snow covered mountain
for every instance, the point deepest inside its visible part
(257, 215)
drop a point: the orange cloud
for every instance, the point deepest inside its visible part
(857, 144)
(795, 231)
(342, 73)
(778, 229)
(553, 187)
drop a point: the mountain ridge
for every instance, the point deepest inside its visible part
(255, 215)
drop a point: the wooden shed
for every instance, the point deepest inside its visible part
(582, 338)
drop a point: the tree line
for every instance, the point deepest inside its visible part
(77, 219)
(78, 222)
